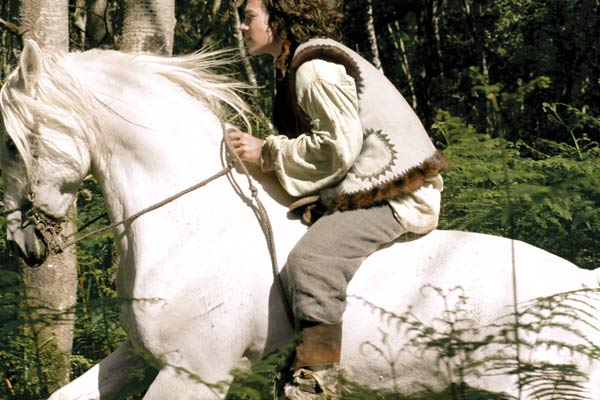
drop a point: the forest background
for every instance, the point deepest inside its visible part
(509, 90)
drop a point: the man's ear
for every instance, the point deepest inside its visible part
(30, 66)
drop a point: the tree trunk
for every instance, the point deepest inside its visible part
(54, 283)
(372, 37)
(210, 19)
(80, 22)
(478, 58)
(235, 21)
(401, 48)
(46, 22)
(436, 11)
(9, 37)
(250, 75)
(99, 25)
(148, 26)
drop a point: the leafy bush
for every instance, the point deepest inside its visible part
(546, 194)
(97, 328)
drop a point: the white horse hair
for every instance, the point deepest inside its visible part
(196, 272)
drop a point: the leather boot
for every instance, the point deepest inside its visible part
(316, 366)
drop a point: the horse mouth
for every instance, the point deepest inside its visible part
(30, 247)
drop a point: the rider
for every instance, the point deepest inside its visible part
(346, 134)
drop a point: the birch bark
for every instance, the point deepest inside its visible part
(98, 24)
(54, 283)
(372, 36)
(148, 26)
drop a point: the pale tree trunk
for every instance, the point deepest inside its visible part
(5, 39)
(396, 36)
(478, 57)
(212, 15)
(92, 20)
(235, 20)
(372, 37)
(9, 37)
(148, 26)
(98, 28)
(436, 12)
(46, 22)
(250, 75)
(80, 22)
(54, 283)
(431, 28)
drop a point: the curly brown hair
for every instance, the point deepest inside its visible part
(300, 20)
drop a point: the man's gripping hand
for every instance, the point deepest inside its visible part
(246, 146)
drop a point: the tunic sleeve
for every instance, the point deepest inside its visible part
(322, 157)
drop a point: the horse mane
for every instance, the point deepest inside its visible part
(67, 103)
(59, 103)
(198, 74)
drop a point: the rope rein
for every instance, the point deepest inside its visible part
(153, 207)
(265, 224)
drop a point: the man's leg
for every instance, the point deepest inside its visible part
(319, 268)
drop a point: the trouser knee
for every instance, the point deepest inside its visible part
(299, 264)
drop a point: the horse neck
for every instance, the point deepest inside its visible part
(155, 141)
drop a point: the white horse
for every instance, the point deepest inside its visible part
(196, 272)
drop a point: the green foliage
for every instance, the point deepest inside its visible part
(548, 197)
(503, 108)
(205, 26)
(97, 329)
(264, 380)
(22, 375)
(577, 123)
(17, 359)
(24, 372)
(538, 325)
(454, 49)
(549, 324)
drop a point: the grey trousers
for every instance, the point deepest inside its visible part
(326, 258)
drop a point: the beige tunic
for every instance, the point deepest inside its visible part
(322, 157)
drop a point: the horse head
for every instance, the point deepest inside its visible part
(43, 155)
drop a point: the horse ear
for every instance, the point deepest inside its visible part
(30, 65)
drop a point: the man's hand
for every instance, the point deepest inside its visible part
(246, 146)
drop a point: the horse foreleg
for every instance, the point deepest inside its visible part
(114, 377)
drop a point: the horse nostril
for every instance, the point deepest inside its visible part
(13, 247)
(27, 244)
(30, 260)
(35, 248)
